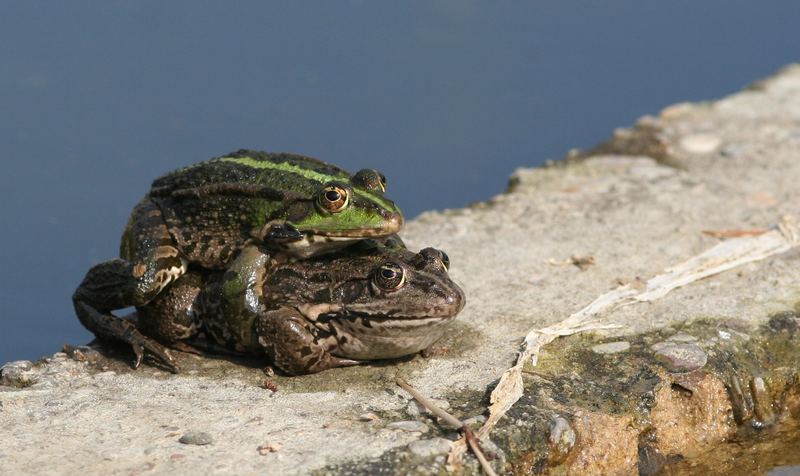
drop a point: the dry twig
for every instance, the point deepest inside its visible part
(469, 436)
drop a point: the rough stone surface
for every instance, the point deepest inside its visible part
(612, 347)
(636, 205)
(408, 425)
(432, 447)
(680, 357)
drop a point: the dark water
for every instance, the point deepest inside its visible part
(447, 98)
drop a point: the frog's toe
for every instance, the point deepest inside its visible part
(340, 362)
(139, 353)
(154, 351)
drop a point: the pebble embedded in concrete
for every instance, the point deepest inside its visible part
(562, 439)
(700, 143)
(15, 374)
(682, 337)
(680, 357)
(196, 438)
(369, 416)
(409, 426)
(612, 347)
(431, 447)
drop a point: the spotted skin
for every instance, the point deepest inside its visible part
(294, 344)
(324, 312)
(204, 214)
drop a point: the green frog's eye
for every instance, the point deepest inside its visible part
(370, 179)
(333, 198)
(390, 277)
(445, 260)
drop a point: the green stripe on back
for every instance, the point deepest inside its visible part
(282, 166)
(309, 174)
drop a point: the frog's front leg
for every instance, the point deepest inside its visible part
(294, 344)
(150, 262)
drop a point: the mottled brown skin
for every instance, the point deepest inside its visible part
(312, 315)
(204, 214)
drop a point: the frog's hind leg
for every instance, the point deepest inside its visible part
(150, 262)
(294, 344)
(105, 287)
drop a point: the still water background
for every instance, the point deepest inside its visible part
(446, 98)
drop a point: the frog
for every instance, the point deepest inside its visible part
(203, 214)
(368, 302)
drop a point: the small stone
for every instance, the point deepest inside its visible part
(81, 353)
(269, 448)
(680, 357)
(700, 143)
(368, 417)
(682, 337)
(16, 374)
(196, 438)
(612, 347)
(431, 447)
(409, 426)
(562, 439)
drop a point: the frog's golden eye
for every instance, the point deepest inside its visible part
(390, 277)
(334, 198)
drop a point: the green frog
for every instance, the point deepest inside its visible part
(202, 215)
(368, 302)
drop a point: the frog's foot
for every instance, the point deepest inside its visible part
(294, 344)
(108, 326)
(282, 233)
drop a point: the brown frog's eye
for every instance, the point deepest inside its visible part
(390, 277)
(370, 179)
(333, 198)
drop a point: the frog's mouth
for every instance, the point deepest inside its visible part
(388, 225)
(370, 321)
(373, 337)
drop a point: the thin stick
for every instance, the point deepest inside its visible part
(473, 443)
(452, 421)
